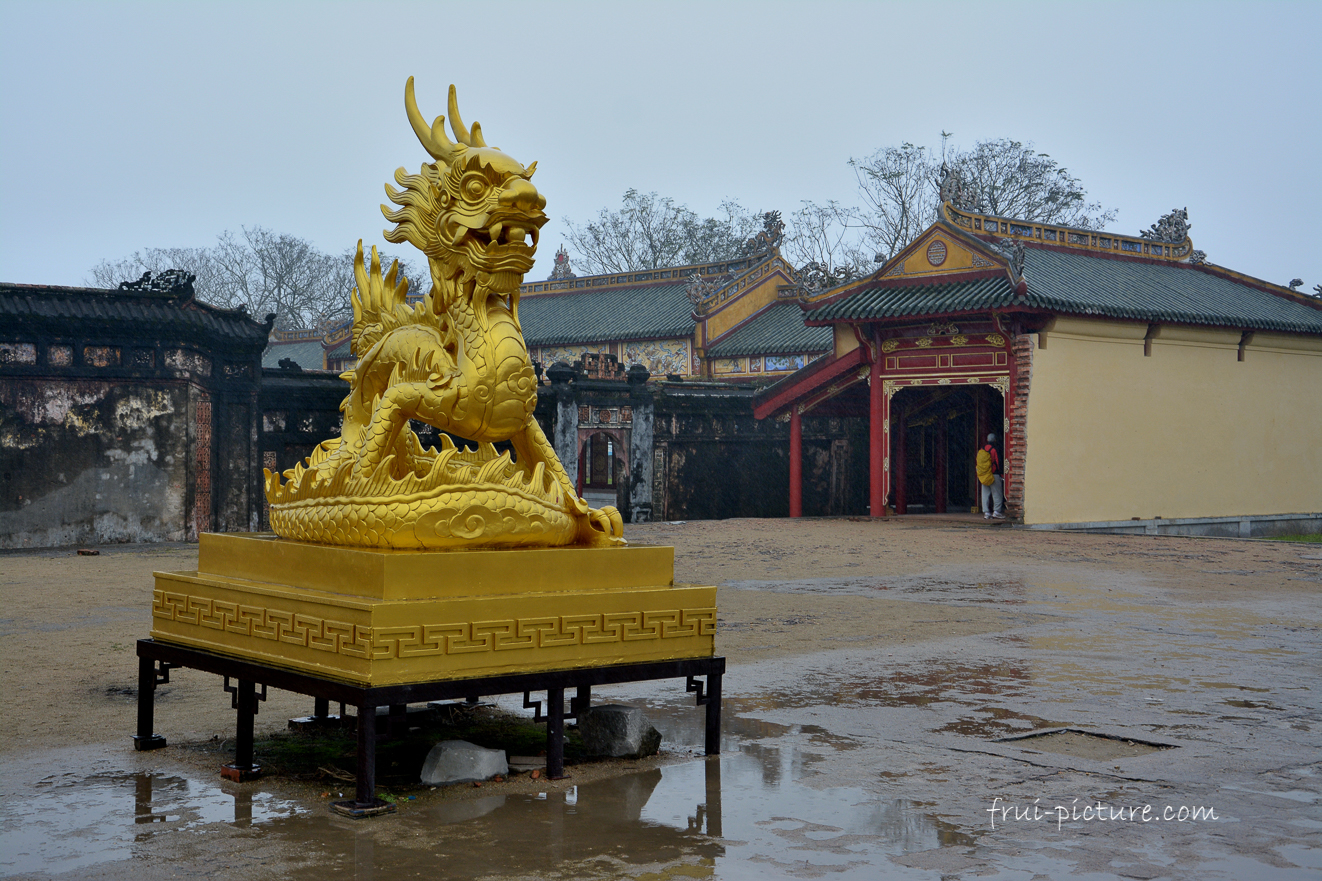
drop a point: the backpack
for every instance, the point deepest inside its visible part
(986, 471)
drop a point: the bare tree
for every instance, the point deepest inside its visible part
(896, 184)
(261, 271)
(826, 237)
(1008, 179)
(652, 232)
(902, 188)
(726, 237)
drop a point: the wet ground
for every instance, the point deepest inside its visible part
(902, 701)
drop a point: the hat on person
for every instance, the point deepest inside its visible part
(991, 438)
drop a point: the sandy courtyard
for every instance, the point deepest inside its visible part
(876, 670)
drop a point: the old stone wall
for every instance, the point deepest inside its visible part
(127, 458)
(91, 461)
(124, 416)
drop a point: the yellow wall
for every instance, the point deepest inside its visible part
(758, 294)
(1187, 432)
(845, 339)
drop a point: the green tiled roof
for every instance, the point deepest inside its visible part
(56, 309)
(1082, 284)
(343, 350)
(628, 312)
(307, 354)
(1171, 292)
(778, 330)
(920, 299)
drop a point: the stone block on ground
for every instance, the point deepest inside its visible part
(618, 731)
(458, 761)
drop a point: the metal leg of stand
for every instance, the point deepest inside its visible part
(365, 803)
(582, 702)
(555, 733)
(245, 701)
(321, 707)
(397, 721)
(713, 745)
(366, 795)
(146, 739)
(243, 736)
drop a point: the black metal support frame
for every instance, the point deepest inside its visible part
(156, 659)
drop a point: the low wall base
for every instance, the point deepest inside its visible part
(1252, 526)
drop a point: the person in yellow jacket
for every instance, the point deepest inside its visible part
(993, 483)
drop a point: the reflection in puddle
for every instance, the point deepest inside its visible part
(64, 825)
(738, 815)
(744, 813)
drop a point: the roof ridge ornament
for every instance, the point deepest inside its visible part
(175, 282)
(989, 227)
(766, 242)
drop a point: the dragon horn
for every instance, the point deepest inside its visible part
(476, 135)
(460, 130)
(433, 139)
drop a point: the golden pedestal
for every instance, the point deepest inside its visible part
(380, 617)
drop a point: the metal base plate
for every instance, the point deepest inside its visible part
(142, 744)
(355, 811)
(240, 775)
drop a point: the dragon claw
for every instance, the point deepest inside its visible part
(602, 527)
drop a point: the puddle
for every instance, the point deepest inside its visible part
(1085, 745)
(721, 816)
(726, 817)
(63, 824)
(993, 722)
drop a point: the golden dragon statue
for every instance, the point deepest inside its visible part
(456, 360)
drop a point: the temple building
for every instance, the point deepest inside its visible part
(1136, 387)
(736, 320)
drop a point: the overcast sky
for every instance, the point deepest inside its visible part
(133, 125)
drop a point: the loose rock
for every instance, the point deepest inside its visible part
(458, 761)
(618, 731)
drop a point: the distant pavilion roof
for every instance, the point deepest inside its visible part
(776, 330)
(308, 354)
(1080, 280)
(647, 310)
(51, 309)
(896, 301)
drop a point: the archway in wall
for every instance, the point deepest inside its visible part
(936, 432)
(602, 471)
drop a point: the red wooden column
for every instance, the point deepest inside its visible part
(796, 462)
(877, 437)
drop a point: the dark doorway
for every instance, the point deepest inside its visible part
(936, 433)
(602, 470)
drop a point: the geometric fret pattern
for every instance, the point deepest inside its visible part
(419, 640)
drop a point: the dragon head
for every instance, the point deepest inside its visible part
(473, 210)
